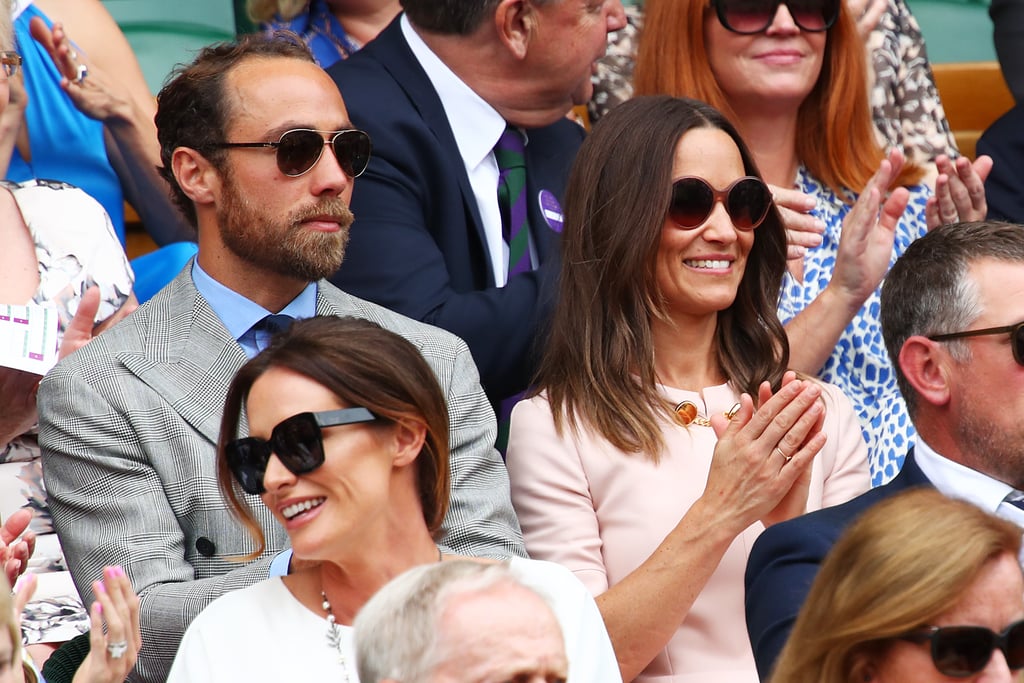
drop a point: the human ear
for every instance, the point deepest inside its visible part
(195, 174)
(515, 22)
(407, 437)
(927, 367)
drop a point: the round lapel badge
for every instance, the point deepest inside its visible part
(550, 209)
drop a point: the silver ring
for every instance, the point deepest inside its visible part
(117, 650)
(83, 71)
(787, 457)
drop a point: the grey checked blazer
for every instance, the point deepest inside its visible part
(128, 428)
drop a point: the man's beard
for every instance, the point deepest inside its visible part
(994, 450)
(284, 247)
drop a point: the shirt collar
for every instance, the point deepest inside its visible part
(238, 313)
(957, 481)
(475, 124)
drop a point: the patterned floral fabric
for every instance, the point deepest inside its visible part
(859, 365)
(76, 248)
(904, 101)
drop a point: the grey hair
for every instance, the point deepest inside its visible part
(396, 630)
(928, 291)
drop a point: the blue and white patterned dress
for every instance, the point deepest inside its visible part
(859, 365)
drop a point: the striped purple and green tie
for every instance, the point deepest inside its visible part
(515, 227)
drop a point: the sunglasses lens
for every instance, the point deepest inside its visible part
(298, 444)
(247, 459)
(298, 151)
(692, 202)
(960, 651)
(814, 15)
(352, 148)
(1017, 339)
(746, 16)
(748, 202)
(1015, 646)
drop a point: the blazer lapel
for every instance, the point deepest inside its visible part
(398, 59)
(190, 358)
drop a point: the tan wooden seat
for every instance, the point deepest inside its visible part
(974, 95)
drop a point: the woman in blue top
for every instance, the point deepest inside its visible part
(333, 29)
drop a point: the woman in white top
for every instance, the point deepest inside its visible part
(349, 452)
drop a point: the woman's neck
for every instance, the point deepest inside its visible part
(364, 19)
(352, 580)
(685, 353)
(771, 137)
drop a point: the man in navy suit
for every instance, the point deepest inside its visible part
(965, 394)
(435, 91)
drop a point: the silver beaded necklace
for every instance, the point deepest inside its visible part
(334, 631)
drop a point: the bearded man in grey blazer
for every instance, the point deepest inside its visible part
(128, 425)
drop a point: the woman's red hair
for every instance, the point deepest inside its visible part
(836, 139)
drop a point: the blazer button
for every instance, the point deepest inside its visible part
(205, 546)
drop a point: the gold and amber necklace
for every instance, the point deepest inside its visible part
(686, 414)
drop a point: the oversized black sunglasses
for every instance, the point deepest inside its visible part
(297, 442)
(961, 651)
(1016, 333)
(299, 149)
(747, 201)
(754, 16)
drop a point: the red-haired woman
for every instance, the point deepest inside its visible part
(790, 75)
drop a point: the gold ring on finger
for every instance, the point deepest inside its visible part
(787, 458)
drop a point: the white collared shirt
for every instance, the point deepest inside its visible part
(476, 126)
(957, 481)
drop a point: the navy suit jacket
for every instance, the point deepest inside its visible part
(417, 245)
(1004, 188)
(786, 558)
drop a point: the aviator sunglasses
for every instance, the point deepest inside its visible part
(297, 442)
(754, 16)
(1016, 333)
(961, 651)
(747, 201)
(300, 149)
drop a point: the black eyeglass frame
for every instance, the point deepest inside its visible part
(249, 467)
(331, 141)
(720, 196)
(11, 62)
(1013, 330)
(1001, 641)
(721, 11)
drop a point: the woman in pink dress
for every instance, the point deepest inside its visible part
(668, 432)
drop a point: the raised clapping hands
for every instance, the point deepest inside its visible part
(803, 231)
(959, 191)
(114, 637)
(868, 234)
(867, 13)
(16, 544)
(762, 461)
(91, 91)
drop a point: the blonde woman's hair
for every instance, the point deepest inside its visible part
(903, 563)
(264, 10)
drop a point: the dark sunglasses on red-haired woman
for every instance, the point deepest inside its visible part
(755, 16)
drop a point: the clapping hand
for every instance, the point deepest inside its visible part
(959, 191)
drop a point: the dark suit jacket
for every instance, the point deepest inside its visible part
(1004, 189)
(786, 557)
(417, 245)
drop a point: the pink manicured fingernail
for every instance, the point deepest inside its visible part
(100, 587)
(119, 572)
(99, 607)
